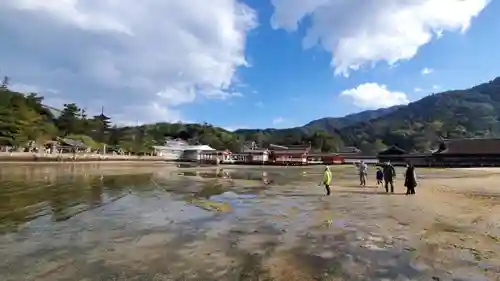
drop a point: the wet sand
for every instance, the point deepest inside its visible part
(202, 224)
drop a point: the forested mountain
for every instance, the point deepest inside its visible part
(331, 124)
(418, 126)
(328, 126)
(473, 112)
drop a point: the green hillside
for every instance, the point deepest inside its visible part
(25, 121)
(417, 126)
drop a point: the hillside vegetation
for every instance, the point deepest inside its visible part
(473, 112)
(24, 121)
(418, 126)
(331, 124)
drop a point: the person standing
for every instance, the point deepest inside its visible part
(410, 179)
(327, 179)
(379, 176)
(389, 176)
(363, 172)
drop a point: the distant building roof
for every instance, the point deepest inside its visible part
(73, 143)
(393, 150)
(317, 154)
(253, 151)
(349, 149)
(290, 147)
(469, 146)
(277, 147)
(202, 147)
(290, 152)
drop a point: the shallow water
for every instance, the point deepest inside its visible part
(76, 223)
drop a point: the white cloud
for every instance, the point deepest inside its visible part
(28, 88)
(259, 104)
(222, 95)
(24, 88)
(278, 120)
(426, 71)
(432, 88)
(234, 128)
(136, 114)
(363, 32)
(373, 95)
(154, 56)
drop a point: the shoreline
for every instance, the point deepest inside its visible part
(27, 157)
(114, 162)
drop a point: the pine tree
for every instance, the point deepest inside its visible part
(4, 85)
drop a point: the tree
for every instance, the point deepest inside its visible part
(69, 121)
(4, 85)
(379, 145)
(8, 128)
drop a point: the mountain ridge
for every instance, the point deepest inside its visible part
(466, 113)
(417, 126)
(330, 124)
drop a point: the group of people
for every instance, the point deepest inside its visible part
(385, 176)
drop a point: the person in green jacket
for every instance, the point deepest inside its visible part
(327, 179)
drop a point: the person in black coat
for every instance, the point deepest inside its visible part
(410, 179)
(379, 176)
(389, 175)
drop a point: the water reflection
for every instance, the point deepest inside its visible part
(63, 191)
(61, 197)
(77, 222)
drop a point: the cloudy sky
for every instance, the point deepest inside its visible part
(253, 63)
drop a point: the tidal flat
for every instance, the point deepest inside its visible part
(136, 221)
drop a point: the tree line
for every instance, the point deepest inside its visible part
(24, 119)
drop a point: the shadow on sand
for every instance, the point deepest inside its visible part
(360, 186)
(296, 195)
(369, 192)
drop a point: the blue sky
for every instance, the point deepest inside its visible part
(259, 63)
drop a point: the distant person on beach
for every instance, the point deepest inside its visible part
(265, 179)
(410, 179)
(389, 176)
(363, 171)
(327, 179)
(379, 176)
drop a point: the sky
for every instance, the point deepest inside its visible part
(245, 63)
